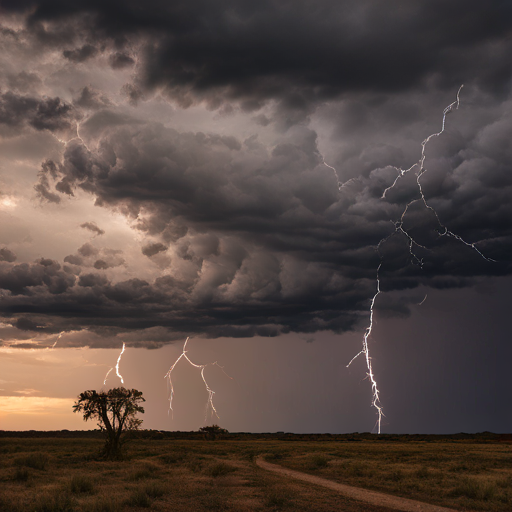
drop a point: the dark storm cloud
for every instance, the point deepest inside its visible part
(152, 249)
(120, 60)
(253, 51)
(40, 278)
(263, 240)
(40, 113)
(80, 54)
(92, 226)
(258, 239)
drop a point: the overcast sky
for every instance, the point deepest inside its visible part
(233, 171)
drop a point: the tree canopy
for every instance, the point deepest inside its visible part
(115, 410)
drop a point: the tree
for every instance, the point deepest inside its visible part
(115, 411)
(212, 432)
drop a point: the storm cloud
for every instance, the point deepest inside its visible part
(267, 219)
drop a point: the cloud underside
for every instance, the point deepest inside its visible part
(255, 51)
(252, 237)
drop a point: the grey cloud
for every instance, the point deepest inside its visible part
(44, 277)
(91, 98)
(120, 60)
(7, 255)
(43, 187)
(203, 51)
(80, 54)
(92, 226)
(24, 81)
(152, 249)
(90, 256)
(40, 113)
(260, 240)
(73, 259)
(88, 250)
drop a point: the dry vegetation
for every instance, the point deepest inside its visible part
(460, 475)
(49, 475)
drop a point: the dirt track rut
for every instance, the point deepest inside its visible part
(357, 493)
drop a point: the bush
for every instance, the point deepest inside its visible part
(172, 458)
(220, 469)
(139, 498)
(144, 472)
(423, 472)
(154, 490)
(80, 484)
(213, 432)
(277, 499)
(475, 489)
(36, 460)
(318, 461)
(21, 475)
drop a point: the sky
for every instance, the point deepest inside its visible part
(251, 175)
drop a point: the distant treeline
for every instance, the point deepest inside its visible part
(480, 437)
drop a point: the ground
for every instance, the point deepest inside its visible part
(49, 474)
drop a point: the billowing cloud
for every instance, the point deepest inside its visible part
(152, 249)
(239, 227)
(40, 113)
(215, 52)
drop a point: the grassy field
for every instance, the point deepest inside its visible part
(49, 475)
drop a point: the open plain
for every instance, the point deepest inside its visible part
(168, 471)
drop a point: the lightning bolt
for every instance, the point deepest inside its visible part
(209, 402)
(424, 299)
(116, 367)
(58, 338)
(399, 228)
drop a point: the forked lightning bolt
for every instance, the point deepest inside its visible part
(209, 401)
(116, 367)
(399, 228)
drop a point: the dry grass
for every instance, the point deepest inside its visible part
(461, 475)
(51, 475)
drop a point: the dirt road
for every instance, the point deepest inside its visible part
(372, 497)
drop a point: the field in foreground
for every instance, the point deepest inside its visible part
(45, 474)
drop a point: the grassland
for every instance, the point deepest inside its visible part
(49, 475)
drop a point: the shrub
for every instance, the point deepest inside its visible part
(154, 490)
(80, 484)
(36, 460)
(318, 461)
(423, 472)
(475, 489)
(220, 469)
(144, 472)
(172, 458)
(139, 498)
(21, 475)
(277, 499)
(212, 432)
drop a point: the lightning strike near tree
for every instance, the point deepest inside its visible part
(399, 228)
(209, 402)
(116, 367)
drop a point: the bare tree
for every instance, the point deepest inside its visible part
(115, 410)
